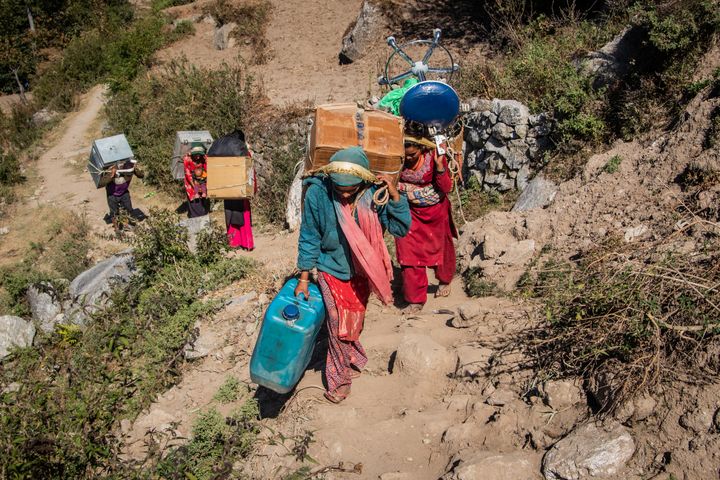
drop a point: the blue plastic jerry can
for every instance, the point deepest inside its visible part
(287, 337)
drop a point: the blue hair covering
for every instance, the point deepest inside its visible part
(354, 155)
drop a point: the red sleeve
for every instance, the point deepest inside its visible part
(189, 167)
(443, 181)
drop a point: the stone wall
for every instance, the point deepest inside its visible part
(504, 144)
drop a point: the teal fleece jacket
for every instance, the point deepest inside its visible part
(322, 243)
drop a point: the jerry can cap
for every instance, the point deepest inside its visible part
(291, 312)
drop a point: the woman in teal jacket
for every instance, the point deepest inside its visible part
(342, 237)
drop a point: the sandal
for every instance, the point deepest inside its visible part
(413, 308)
(443, 290)
(334, 397)
(354, 373)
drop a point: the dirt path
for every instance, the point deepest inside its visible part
(394, 420)
(62, 183)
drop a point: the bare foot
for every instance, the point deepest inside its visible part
(443, 290)
(413, 308)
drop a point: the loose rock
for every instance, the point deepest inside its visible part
(194, 226)
(222, 39)
(367, 26)
(472, 360)
(14, 332)
(561, 394)
(590, 451)
(497, 466)
(90, 290)
(419, 355)
(44, 305)
(539, 193)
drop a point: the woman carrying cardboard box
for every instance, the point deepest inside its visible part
(342, 237)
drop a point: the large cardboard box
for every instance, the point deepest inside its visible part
(184, 141)
(230, 177)
(104, 153)
(339, 126)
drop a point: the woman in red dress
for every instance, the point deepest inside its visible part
(426, 181)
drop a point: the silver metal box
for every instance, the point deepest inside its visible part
(104, 153)
(184, 141)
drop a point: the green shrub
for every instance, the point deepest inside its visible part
(159, 241)
(184, 28)
(9, 169)
(158, 5)
(215, 446)
(69, 250)
(18, 131)
(273, 193)
(59, 424)
(474, 202)
(114, 54)
(476, 285)
(182, 97)
(613, 164)
(228, 391)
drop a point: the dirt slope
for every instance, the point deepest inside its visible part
(304, 39)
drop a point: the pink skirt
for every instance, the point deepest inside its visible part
(241, 236)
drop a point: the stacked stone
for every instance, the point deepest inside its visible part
(504, 143)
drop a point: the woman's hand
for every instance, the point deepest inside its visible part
(439, 164)
(303, 284)
(392, 189)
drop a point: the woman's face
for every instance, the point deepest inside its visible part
(411, 152)
(346, 193)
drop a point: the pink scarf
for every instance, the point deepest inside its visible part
(370, 254)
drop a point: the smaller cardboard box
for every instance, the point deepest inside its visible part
(230, 177)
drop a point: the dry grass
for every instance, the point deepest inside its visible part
(626, 317)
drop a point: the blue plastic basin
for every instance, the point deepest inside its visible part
(431, 103)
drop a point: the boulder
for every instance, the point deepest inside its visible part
(367, 27)
(615, 58)
(222, 39)
(419, 355)
(293, 211)
(205, 342)
(194, 226)
(43, 116)
(44, 305)
(497, 466)
(501, 396)
(472, 361)
(636, 233)
(511, 112)
(562, 394)
(517, 253)
(590, 451)
(539, 193)
(91, 289)
(14, 332)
